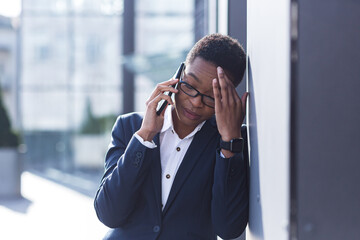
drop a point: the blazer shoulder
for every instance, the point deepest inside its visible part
(128, 123)
(131, 119)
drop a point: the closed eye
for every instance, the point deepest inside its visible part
(188, 87)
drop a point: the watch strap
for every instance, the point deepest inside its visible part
(235, 145)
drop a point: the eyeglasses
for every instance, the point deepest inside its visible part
(193, 92)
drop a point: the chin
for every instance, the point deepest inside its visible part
(184, 119)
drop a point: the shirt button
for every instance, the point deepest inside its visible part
(167, 176)
(178, 149)
(156, 229)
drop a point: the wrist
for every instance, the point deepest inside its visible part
(146, 135)
(227, 138)
(227, 153)
(235, 145)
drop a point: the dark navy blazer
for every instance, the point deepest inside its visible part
(209, 195)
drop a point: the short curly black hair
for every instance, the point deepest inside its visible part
(223, 51)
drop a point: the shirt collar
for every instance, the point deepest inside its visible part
(168, 123)
(167, 120)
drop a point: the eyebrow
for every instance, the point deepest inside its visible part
(198, 80)
(194, 76)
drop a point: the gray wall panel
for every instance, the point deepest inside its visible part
(268, 47)
(328, 110)
(237, 29)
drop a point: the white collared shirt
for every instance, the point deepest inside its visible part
(172, 152)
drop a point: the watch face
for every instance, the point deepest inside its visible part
(236, 145)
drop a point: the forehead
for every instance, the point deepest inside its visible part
(200, 74)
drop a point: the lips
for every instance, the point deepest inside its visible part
(191, 115)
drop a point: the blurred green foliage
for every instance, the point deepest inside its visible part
(8, 138)
(94, 124)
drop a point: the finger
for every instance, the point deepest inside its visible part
(235, 99)
(223, 85)
(163, 87)
(217, 94)
(154, 103)
(173, 90)
(169, 82)
(244, 101)
(233, 95)
(166, 98)
(227, 79)
(230, 85)
(168, 86)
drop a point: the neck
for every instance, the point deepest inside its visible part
(181, 129)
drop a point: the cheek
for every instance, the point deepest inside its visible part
(209, 112)
(180, 98)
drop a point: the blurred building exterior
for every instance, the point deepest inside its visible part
(70, 55)
(71, 77)
(303, 160)
(164, 32)
(71, 84)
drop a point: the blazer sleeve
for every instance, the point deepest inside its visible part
(126, 167)
(230, 203)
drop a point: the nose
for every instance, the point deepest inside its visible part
(196, 101)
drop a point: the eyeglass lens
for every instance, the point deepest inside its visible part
(191, 91)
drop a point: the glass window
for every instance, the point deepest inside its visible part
(70, 82)
(164, 34)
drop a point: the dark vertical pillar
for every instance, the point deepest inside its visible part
(328, 117)
(128, 88)
(201, 19)
(237, 20)
(237, 29)
(294, 51)
(18, 88)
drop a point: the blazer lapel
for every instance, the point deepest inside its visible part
(156, 173)
(190, 159)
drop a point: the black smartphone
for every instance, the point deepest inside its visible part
(162, 104)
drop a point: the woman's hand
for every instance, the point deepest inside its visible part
(230, 109)
(152, 123)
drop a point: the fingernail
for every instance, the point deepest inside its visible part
(219, 69)
(214, 80)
